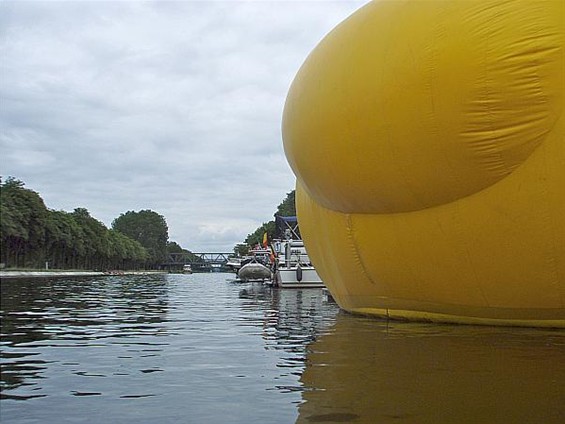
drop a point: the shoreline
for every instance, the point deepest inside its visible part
(43, 274)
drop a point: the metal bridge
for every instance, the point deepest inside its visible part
(203, 261)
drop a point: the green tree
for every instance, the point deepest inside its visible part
(174, 247)
(96, 237)
(125, 253)
(23, 221)
(241, 249)
(149, 229)
(65, 243)
(286, 208)
(288, 205)
(257, 236)
(31, 234)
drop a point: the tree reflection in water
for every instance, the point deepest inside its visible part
(42, 314)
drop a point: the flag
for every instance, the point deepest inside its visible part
(265, 241)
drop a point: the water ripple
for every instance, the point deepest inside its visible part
(194, 342)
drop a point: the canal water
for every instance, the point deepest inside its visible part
(202, 348)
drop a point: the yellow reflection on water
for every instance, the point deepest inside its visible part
(368, 371)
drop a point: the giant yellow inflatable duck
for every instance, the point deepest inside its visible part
(428, 141)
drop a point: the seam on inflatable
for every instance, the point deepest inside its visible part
(465, 251)
(549, 230)
(353, 244)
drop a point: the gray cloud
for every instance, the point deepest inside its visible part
(168, 106)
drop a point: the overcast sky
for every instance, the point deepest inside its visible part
(172, 106)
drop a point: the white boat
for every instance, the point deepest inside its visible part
(293, 266)
(234, 263)
(187, 269)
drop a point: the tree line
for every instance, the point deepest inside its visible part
(33, 236)
(286, 208)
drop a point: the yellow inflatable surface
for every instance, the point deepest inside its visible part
(428, 141)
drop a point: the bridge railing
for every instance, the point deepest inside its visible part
(198, 258)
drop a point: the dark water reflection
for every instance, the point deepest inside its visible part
(377, 372)
(202, 349)
(52, 323)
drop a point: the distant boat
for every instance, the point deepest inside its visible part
(187, 269)
(234, 263)
(254, 271)
(293, 266)
(256, 266)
